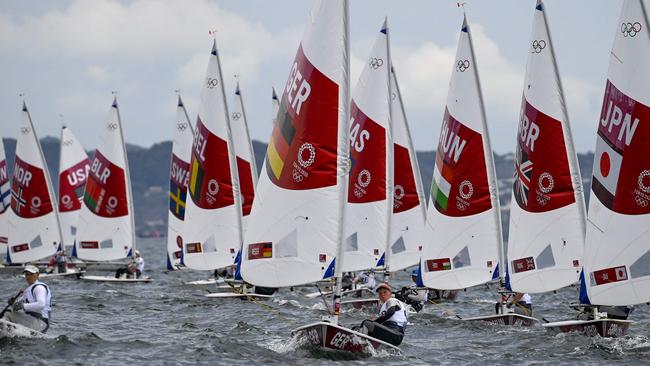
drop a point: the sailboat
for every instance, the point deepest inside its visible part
(179, 178)
(33, 221)
(106, 231)
(212, 229)
(463, 228)
(5, 200)
(616, 270)
(295, 232)
(73, 172)
(547, 209)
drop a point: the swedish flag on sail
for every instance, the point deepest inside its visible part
(177, 197)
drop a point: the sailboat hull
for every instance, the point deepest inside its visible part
(608, 328)
(113, 279)
(360, 303)
(335, 337)
(506, 319)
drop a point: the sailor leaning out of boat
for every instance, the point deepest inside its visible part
(389, 326)
(35, 303)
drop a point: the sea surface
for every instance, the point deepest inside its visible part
(167, 323)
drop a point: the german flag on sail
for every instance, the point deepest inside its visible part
(260, 250)
(281, 141)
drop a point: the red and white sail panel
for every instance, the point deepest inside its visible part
(547, 213)
(246, 167)
(5, 200)
(105, 229)
(275, 104)
(212, 215)
(294, 230)
(462, 232)
(34, 231)
(369, 198)
(74, 167)
(617, 250)
(409, 209)
(179, 179)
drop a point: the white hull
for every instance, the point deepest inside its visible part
(592, 328)
(233, 295)
(73, 273)
(9, 329)
(113, 279)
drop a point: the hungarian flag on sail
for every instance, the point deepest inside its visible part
(30, 197)
(245, 185)
(459, 186)
(72, 182)
(621, 174)
(405, 196)
(105, 193)
(542, 179)
(5, 191)
(178, 181)
(302, 151)
(210, 180)
(367, 179)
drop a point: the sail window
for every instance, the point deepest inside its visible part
(641, 267)
(36, 242)
(287, 247)
(398, 246)
(545, 258)
(106, 244)
(462, 259)
(351, 243)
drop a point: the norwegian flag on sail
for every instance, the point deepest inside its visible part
(301, 155)
(30, 197)
(621, 176)
(5, 191)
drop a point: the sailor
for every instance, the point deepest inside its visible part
(35, 304)
(139, 264)
(367, 279)
(60, 260)
(389, 326)
(413, 295)
(522, 304)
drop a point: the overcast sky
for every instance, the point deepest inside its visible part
(67, 56)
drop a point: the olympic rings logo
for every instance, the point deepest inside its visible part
(538, 46)
(364, 178)
(399, 192)
(25, 130)
(312, 155)
(111, 126)
(67, 142)
(211, 82)
(545, 188)
(213, 187)
(462, 65)
(36, 202)
(236, 116)
(181, 126)
(466, 189)
(66, 200)
(642, 186)
(630, 29)
(376, 63)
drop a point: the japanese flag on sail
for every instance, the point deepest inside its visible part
(607, 168)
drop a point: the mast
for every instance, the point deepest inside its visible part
(128, 177)
(489, 159)
(232, 159)
(576, 177)
(50, 190)
(343, 160)
(390, 159)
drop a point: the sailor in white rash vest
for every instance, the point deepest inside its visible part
(36, 303)
(389, 326)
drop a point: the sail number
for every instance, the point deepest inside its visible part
(297, 95)
(358, 137)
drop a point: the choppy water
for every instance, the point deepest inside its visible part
(166, 322)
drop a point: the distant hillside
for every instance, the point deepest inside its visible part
(149, 168)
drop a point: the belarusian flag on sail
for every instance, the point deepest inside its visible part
(105, 193)
(303, 157)
(459, 186)
(621, 175)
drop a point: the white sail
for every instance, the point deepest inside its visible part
(547, 213)
(5, 200)
(246, 167)
(34, 231)
(275, 103)
(213, 214)
(105, 229)
(370, 200)
(617, 248)
(295, 227)
(73, 172)
(179, 178)
(409, 208)
(463, 228)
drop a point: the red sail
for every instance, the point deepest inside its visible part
(367, 180)
(72, 182)
(105, 193)
(29, 195)
(405, 196)
(542, 180)
(246, 186)
(303, 147)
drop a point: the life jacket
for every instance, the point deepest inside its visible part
(399, 317)
(526, 299)
(30, 298)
